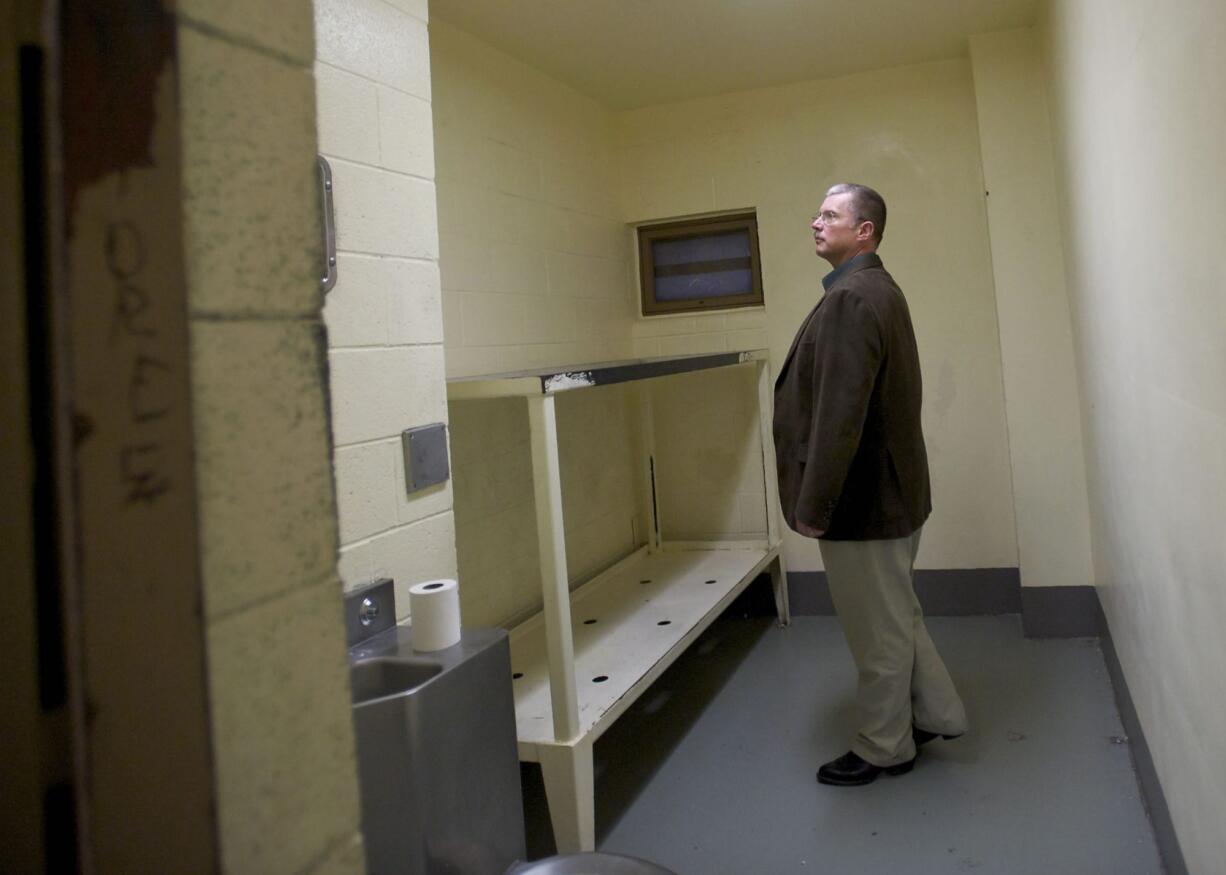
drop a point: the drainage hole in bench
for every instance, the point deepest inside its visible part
(600, 678)
(664, 622)
(517, 675)
(588, 622)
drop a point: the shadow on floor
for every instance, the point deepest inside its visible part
(640, 741)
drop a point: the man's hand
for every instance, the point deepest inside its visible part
(808, 531)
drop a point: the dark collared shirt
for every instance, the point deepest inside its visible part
(863, 259)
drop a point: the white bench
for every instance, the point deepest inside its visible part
(581, 662)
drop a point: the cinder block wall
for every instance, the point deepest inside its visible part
(495, 509)
(709, 482)
(534, 272)
(533, 248)
(910, 131)
(287, 795)
(384, 316)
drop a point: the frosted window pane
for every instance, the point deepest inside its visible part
(708, 248)
(688, 287)
(700, 264)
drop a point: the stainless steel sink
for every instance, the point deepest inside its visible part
(437, 754)
(383, 676)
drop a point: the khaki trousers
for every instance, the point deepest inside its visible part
(902, 680)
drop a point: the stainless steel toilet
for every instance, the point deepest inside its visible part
(437, 759)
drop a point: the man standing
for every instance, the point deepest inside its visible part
(853, 473)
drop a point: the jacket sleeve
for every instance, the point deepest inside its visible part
(848, 348)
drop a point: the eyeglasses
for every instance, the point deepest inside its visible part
(827, 217)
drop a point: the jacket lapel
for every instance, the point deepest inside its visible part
(872, 260)
(804, 326)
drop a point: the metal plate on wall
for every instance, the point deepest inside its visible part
(425, 456)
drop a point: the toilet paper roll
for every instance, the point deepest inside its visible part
(435, 610)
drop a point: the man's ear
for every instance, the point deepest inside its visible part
(865, 230)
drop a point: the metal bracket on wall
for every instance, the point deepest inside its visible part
(329, 221)
(425, 456)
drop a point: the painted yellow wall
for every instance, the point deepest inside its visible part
(911, 133)
(709, 482)
(534, 261)
(1042, 403)
(384, 317)
(533, 249)
(1137, 92)
(529, 171)
(287, 794)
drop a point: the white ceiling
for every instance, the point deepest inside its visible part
(631, 53)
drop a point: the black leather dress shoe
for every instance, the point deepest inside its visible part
(923, 736)
(850, 770)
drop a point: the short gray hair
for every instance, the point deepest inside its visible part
(868, 204)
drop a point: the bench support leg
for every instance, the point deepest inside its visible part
(569, 787)
(779, 581)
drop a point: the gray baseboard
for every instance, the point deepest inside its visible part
(952, 592)
(1142, 760)
(1060, 611)
(1047, 612)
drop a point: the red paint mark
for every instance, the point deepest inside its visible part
(113, 56)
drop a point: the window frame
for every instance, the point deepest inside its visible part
(742, 220)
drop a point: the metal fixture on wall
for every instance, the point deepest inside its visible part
(425, 456)
(369, 610)
(329, 221)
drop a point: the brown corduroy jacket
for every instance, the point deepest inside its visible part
(848, 441)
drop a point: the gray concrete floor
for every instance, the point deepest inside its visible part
(713, 771)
